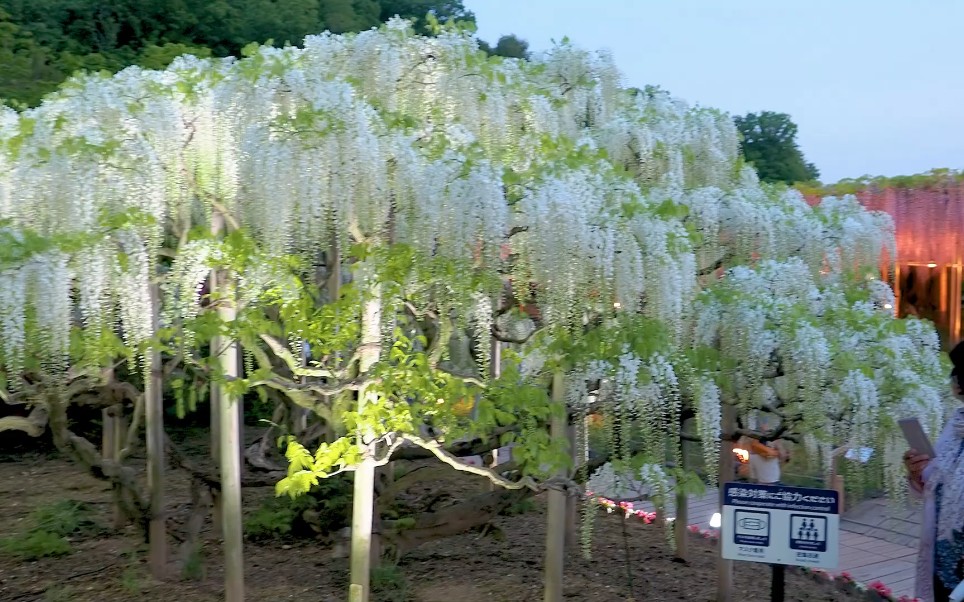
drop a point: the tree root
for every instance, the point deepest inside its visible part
(202, 502)
(401, 536)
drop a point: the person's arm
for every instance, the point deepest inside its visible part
(782, 449)
(762, 450)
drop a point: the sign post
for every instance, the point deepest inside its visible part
(780, 525)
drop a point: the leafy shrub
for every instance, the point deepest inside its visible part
(65, 518)
(389, 584)
(193, 569)
(326, 509)
(523, 506)
(48, 528)
(274, 519)
(34, 545)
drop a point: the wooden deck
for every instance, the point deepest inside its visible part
(877, 543)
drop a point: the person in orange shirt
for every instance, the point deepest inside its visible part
(766, 457)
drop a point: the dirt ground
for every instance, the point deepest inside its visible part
(110, 567)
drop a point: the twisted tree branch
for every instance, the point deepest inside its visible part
(439, 452)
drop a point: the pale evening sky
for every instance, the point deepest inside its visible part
(876, 86)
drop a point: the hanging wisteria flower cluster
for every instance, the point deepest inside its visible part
(825, 354)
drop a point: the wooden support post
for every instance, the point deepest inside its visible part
(495, 370)
(229, 412)
(556, 515)
(681, 522)
(107, 433)
(154, 425)
(363, 545)
(217, 224)
(572, 502)
(113, 441)
(724, 568)
(120, 431)
(493, 465)
(835, 480)
(108, 446)
(230, 431)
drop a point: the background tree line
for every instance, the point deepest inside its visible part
(42, 42)
(769, 142)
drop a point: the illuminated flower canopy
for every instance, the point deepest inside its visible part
(548, 173)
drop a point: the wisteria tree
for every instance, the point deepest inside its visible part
(400, 228)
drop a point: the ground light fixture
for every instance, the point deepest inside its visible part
(716, 520)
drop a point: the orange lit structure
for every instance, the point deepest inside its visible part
(929, 220)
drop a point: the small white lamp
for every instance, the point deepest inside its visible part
(716, 520)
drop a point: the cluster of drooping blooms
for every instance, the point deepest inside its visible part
(185, 280)
(13, 305)
(547, 172)
(705, 395)
(379, 137)
(51, 290)
(824, 352)
(36, 293)
(860, 234)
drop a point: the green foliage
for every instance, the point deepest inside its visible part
(42, 42)
(523, 506)
(187, 394)
(133, 578)
(508, 46)
(47, 530)
(441, 11)
(406, 387)
(159, 57)
(35, 544)
(389, 584)
(64, 518)
(193, 569)
(626, 331)
(934, 178)
(326, 509)
(272, 519)
(60, 593)
(769, 143)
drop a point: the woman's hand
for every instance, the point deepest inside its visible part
(915, 463)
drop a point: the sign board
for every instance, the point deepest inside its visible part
(780, 525)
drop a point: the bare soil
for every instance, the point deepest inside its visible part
(467, 568)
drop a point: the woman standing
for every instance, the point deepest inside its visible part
(940, 564)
